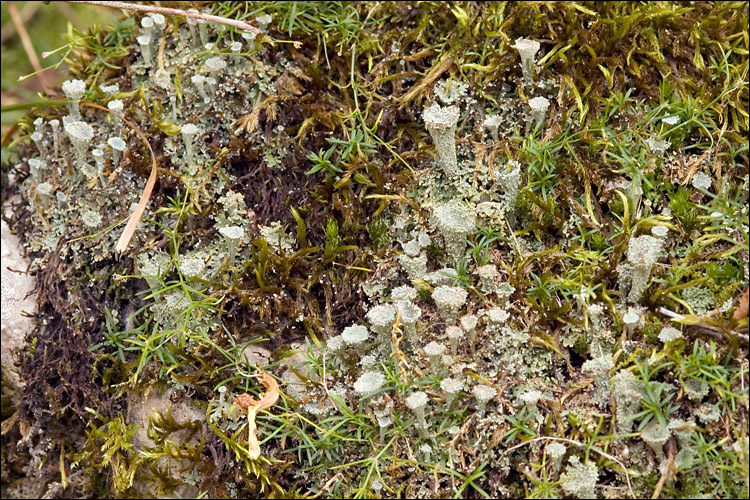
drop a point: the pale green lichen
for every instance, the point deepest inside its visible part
(700, 299)
(669, 334)
(355, 335)
(455, 221)
(523, 341)
(643, 252)
(599, 368)
(449, 91)
(628, 397)
(579, 480)
(527, 49)
(449, 299)
(91, 218)
(441, 123)
(368, 383)
(277, 237)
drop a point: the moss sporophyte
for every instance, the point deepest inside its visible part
(411, 249)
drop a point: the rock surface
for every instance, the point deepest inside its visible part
(18, 304)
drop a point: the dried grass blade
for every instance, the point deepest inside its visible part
(135, 217)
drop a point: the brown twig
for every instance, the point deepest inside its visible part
(27, 13)
(28, 47)
(428, 80)
(171, 12)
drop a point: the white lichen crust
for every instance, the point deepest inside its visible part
(18, 306)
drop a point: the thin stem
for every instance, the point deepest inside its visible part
(28, 47)
(27, 13)
(172, 12)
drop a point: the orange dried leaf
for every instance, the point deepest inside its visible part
(272, 391)
(252, 406)
(744, 307)
(245, 401)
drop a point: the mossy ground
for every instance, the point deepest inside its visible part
(323, 142)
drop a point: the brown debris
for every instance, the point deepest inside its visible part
(744, 306)
(252, 406)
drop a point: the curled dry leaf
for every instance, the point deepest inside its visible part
(252, 406)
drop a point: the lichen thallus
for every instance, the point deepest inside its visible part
(135, 217)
